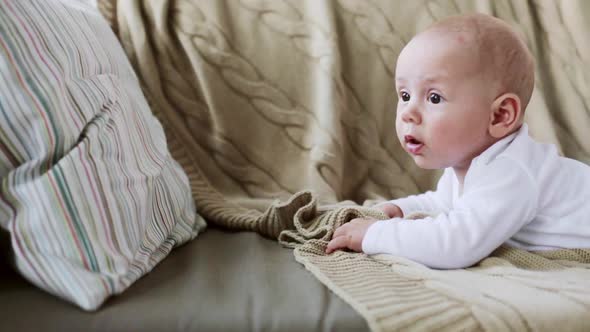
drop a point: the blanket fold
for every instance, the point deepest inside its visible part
(512, 289)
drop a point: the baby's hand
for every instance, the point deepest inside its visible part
(391, 210)
(350, 235)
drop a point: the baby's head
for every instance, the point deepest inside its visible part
(463, 84)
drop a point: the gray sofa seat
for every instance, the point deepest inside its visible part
(221, 281)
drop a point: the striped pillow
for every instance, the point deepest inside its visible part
(89, 193)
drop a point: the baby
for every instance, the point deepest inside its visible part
(463, 86)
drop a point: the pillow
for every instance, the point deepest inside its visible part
(89, 194)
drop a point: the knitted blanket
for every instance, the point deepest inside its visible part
(266, 101)
(511, 290)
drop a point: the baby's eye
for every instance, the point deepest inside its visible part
(434, 98)
(405, 96)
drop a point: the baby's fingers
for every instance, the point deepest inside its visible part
(340, 231)
(337, 243)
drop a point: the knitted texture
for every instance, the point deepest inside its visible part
(512, 289)
(265, 102)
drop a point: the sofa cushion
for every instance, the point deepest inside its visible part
(223, 281)
(89, 193)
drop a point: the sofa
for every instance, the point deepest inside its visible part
(203, 153)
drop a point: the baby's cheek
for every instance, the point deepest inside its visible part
(447, 138)
(398, 129)
(442, 132)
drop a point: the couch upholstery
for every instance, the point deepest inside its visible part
(223, 282)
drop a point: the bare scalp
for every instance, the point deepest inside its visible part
(503, 55)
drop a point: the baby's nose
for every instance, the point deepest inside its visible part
(412, 115)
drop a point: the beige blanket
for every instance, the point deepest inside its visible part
(512, 290)
(262, 99)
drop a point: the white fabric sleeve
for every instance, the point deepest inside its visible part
(501, 199)
(430, 201)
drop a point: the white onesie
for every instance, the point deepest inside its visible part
(519, 192)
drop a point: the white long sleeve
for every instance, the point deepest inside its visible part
(518, 192)
(434, 202)
(468, 232)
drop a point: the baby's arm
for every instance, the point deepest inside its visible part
(351, 234)
(500, 201)
(431, 201)
(391, 210)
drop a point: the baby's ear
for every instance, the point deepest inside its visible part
(505, 115)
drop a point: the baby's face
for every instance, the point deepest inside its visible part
(444, 101)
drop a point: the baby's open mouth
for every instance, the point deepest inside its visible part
(413, 145)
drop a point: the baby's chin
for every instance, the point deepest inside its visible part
(425, 163)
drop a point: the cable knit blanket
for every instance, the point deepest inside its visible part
(266, 101)
(512, 290)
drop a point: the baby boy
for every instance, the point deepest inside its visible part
(463, 86)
